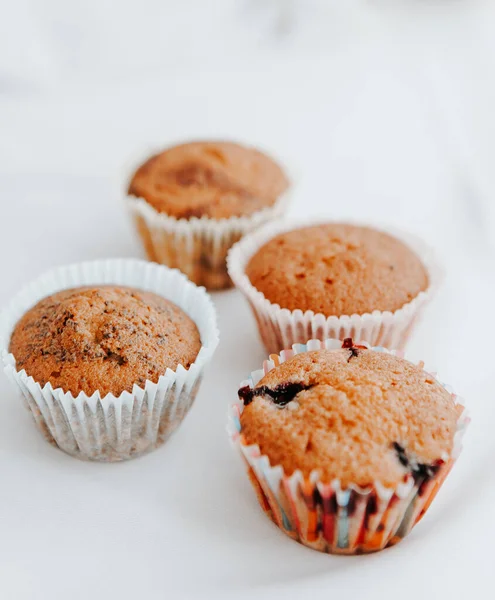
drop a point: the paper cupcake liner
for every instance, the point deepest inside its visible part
(196, 246)
(113, 428)
(323, 515)
(280, 328)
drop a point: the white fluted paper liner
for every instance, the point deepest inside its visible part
(323, 515)
(196, 246)
(113, 428)
(280, 328)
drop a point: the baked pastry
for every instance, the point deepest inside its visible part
(104, 339)
(193, 201)
(354, 415)
(350, 431)
(217, 180)
(337, 269)
(108, 355)
(330, 280)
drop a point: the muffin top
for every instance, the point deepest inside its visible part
(353, 414)
(103, 338)
(209, 179)
(337, 269)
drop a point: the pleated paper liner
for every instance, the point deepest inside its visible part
(321, 514)
(113, 428)
(281, 328)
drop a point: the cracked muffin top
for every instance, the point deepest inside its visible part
(103, 338)
(209, 179)
(353, 414)
(337, 269)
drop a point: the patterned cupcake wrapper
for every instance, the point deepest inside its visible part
(323, 515)
(113, 428)
(197, 246)
(281, 328)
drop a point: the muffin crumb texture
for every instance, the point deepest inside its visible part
(209, 179)
(103, 338)
(354, 414)
(337, 269)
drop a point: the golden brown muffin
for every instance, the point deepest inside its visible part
(103, 338)
(353, 414)
(209, 179)
(337, 269)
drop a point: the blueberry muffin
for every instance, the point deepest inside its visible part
(356, 433)
(354, 415)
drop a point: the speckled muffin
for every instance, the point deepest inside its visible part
(192, 201)
(331, 280)
(351, 419)
(103, 339)
(108, 355)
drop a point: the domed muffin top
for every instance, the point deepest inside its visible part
(103, 338)
(209, 179)
(337, 269)
(354, 414)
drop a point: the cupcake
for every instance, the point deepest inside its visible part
(332, 280)
(346, 445)
(108, 354)
(191, 202)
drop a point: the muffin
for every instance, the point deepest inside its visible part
(346, 445)
(331, 280)
(103, 339)
(191, 202)
(108, 354)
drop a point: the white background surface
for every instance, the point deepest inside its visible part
(383, 110)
